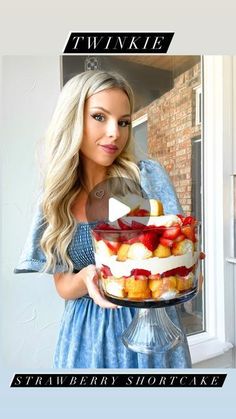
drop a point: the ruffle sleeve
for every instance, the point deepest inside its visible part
(157, 184)
(32, 258)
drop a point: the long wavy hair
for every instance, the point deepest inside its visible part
(63, 172)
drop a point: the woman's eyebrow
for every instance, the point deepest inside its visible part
(105, 110)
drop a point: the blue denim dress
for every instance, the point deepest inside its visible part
(90, 336)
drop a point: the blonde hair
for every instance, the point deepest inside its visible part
(62, 180)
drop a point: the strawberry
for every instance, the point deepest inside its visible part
(189, 232)
(96, 235)
(150, 240)
(128, 236)
(166, 242)
(136, 272)
(141, 213)
(189, 220)
(179, 238)
(158, 229)
(181, 271)
(131, 241)
(136, 225)
(105, 270)
(172, 232)
(114, 246)
(123, 225)
(133, 211)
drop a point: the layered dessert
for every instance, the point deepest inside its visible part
(147, 256)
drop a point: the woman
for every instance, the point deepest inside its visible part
(88, 141)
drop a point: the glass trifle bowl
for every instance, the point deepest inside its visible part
(149, 263)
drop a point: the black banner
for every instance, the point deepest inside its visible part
(118, 43)
(118, 380)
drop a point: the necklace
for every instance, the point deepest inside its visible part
(99, 194)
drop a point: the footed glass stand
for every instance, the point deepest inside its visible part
(152, 331)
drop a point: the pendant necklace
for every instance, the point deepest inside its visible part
(99, 194)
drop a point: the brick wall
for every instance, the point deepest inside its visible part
(171, 127)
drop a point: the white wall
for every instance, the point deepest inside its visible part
(30, 308)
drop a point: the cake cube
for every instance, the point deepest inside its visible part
(138, 251)
(162, 251)
(115, 287)
(184, 283)
(123, 252)
(159, 286)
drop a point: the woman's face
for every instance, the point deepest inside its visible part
(106, 126)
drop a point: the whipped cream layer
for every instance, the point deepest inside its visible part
(155, 265)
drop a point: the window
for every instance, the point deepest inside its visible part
(141, 137)
(218, 214)
(195, 308)
(198, 104)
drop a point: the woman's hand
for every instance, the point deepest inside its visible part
(90, 278)
(200, 279)
(202, 255)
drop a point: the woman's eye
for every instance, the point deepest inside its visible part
(99, 117)
(124, 123)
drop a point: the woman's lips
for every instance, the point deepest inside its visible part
(109, 148)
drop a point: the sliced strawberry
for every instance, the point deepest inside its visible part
(189, 232)
(150, 240)
(123, 225)
(158, 229)
(172, 232)
(136, 272)
(189, 220)
(181, 271)
(106, 271)
(96, 235)
(114, 246)
(180, 238)
(166, 242)
(133, 211)
(136, 225)
(128, 240)
(141, 213)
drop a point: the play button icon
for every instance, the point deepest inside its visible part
(117, 209)
(115, 198)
